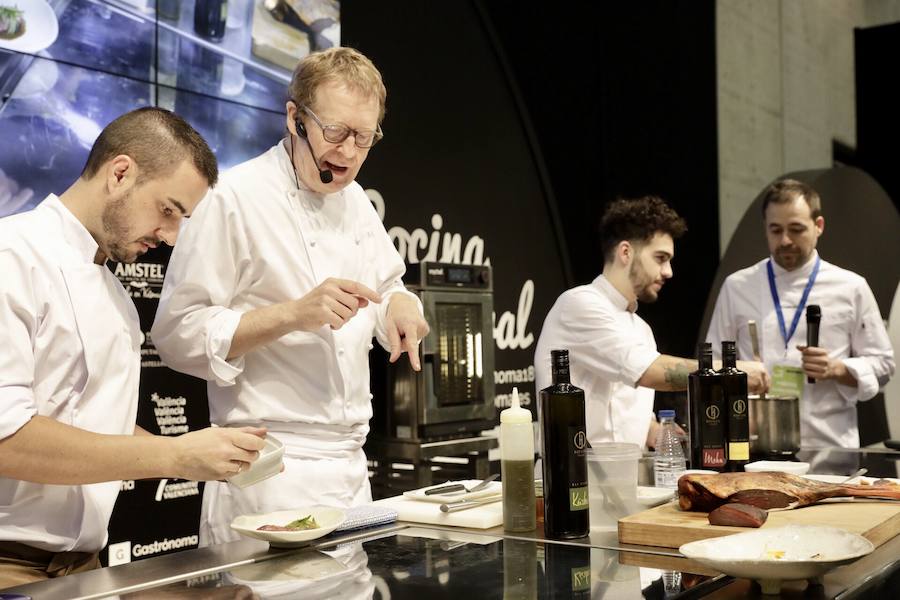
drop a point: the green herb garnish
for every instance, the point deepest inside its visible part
(307, 522)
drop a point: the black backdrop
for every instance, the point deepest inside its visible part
(621, 99)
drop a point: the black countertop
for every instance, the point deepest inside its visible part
(405, 560)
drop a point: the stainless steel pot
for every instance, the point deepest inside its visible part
(774, 424)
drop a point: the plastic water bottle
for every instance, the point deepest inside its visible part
(669, 463)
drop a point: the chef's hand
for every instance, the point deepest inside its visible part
(818, 364)
(757, 377)
(216, 452)
(405, 327)
(332, 303)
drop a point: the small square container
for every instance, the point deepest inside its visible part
(267, 465)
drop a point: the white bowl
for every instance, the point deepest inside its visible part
(771, 556)
(267, 465)
(783, 466)
(700, 472)
(326, 517)
(654, 496)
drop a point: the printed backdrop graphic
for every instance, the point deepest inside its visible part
(453, 185)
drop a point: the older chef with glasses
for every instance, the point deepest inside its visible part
(299, 274)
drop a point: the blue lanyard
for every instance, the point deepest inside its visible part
(787, 335)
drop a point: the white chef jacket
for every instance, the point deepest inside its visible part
(255, 241)
(69, 350)
(851, 329)
(610, 348)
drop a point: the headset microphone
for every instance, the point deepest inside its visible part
(325, 175)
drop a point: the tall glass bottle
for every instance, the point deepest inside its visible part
(734, 388)
(708, 450)
(564, 462)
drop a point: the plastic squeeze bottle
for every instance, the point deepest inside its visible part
(517, 466)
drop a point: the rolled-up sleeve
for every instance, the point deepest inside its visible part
(17, 324)
(872, 356)
(194, 324)
(603, 344)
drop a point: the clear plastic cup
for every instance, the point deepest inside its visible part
(612, 483)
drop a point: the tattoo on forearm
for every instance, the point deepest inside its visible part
(677, 376)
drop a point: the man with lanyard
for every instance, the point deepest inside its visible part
(299, 273)
(854, 358)
(70, 343)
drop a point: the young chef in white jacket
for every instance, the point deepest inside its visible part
(298, 274)
(612, 351)
(69, 349)
(854, 358)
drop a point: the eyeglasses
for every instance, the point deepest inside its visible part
(338, 132)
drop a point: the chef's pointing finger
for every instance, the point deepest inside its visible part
(394, 339)
(411, 343)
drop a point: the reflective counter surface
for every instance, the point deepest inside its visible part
(411, 561)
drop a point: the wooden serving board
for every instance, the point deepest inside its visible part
(670, 527)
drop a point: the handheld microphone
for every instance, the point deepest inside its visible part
(325, 175)
(813, 318)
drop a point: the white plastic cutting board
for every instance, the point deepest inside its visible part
(416, 511)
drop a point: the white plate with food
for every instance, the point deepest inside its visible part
(654, 496)
(27, 25)
(290, 528)
(771, 556)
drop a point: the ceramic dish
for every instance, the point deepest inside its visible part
(41, 26)
(326, 517)
(843, 479)
(771, 556)
(653, 496)
(267, 465)
(492, 489)
(782, 466)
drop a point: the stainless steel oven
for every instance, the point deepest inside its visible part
(453, 395)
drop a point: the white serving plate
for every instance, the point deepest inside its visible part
(41, 26)
(842, 478)
(494, 488)
(267, 465)
(807, 552)
(780, 466)
(328, 519)
(653, 496)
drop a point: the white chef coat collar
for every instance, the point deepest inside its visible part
(618, 300)
(74, 231)
(804, 271)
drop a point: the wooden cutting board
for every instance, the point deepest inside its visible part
(670, 527)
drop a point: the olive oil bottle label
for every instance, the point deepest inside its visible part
(578, 487)
(739, 451)
(578, 498)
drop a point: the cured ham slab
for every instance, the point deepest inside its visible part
(697, 492)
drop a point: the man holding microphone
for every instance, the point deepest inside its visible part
(853, 358)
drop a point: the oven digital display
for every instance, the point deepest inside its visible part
(459, 275)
